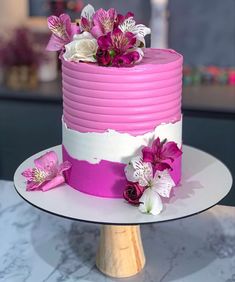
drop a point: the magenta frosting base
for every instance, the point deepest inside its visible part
(105, 179)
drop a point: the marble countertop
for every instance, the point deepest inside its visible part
(39, 247)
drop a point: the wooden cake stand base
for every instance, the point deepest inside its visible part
(120, 251)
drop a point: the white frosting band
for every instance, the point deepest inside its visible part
(115, 146)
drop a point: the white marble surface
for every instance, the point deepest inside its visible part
(36, 246)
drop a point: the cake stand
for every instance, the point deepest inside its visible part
(205, 181)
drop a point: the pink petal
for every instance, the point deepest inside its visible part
(161, 166)
(105, 41)
(147, 154)
(47, 162)
(53, 22)
(32, 186)
(75, 29)
(53, 183)
(55, 43)
(27, 173)
(117, 32)
(99, 16)
(64, 166)
(132, 39)
(127, 59)
(96, 31)
(66, 21)
(85, 24)
(112, 14)
(156, 146)
(119, 20)
(129, 15)
(170, 151)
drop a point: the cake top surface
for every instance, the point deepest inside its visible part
(154, 60)
(155, 56)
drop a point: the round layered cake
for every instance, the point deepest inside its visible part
(111, 113)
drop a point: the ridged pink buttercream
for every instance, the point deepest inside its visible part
(133, 100)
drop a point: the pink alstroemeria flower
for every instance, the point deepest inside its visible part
(62, 31)
(46, 174)
(103, 22)
(160, 154)
(119, 44)
(117, 41)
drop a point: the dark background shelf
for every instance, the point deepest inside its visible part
(30, 121)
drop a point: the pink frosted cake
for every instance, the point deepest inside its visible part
(122, 118)
(110, 113)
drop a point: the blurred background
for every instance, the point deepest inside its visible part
(30, 82)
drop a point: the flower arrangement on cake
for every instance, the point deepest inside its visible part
(103, 37)
(148, 176)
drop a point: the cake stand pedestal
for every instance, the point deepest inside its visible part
(120, 252)
(205, 181)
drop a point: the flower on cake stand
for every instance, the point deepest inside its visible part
(138, 171)
(133, 193)
(150, 202)
(149, 178)
(160, 154)
(159, 185)
(47, 173)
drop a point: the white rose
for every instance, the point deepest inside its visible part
(82, 48)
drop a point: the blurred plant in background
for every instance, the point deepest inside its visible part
(20, 59)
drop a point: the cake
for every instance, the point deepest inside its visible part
(109, 114)
(122, 122)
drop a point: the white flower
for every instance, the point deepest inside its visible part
(138, 171)
(150, 202)
(156, 185)
(162, 183)
(82, 48)
(139, 30)
(159, 185)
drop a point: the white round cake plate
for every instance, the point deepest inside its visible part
(205, 181)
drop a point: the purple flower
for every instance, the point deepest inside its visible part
(119, 45)
(160, 154)
(103, 22)
(46, 174)
(62, 32)
(122, 41)
(117, 41)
